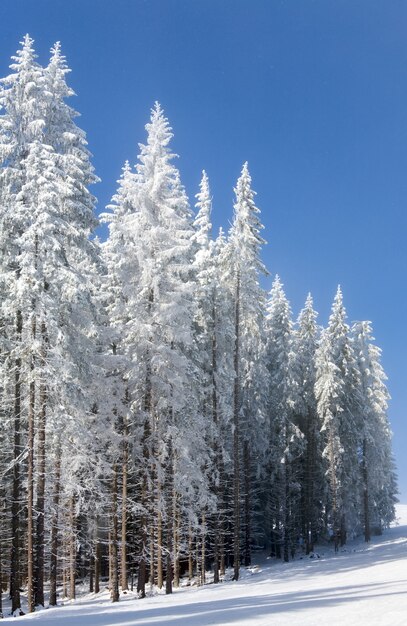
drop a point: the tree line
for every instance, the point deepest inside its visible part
(161, 415)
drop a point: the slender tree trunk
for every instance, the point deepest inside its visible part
(216, 445)
(236, 438)
(169, 520)
(30, 486)
(152, 556)
(309, 524)
(98, 558)
(203, 549)
(190, 555)
(40, 534)
(147, 503)
(91, 573)
(343, 529)
(176, 523)
(114, 576)
(54, 532)
(222, 528)
(72, 550)
(1, 583)
(124, 508)
(333, 481)
(286, 509)
(366, 492)
(142, 568)
(247, 541)
(65, 562)
(64, 583)
(159, 549)
(16, 488)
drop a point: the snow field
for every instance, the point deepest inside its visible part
(362, 585)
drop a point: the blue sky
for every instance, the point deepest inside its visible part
(313, 93)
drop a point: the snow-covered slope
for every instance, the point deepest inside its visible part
(363, 586)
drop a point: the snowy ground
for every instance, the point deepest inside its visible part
(366, 585)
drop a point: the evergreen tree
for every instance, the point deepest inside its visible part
(338, 404)
(47, 218)
(306, 417)
(243, 270)
(285, 438)
(377, 474)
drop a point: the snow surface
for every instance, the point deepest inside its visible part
(364, 585)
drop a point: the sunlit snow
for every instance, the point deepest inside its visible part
(363, 585)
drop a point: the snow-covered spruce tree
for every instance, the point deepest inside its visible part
(338, 403)
(70, 263)
(159, 345)
(285, 439)
(242, 269)
(306, 337)
(120, 279)
(378, 486)
(47, 217)
(205, 338)
(21, 122)
(214, 334)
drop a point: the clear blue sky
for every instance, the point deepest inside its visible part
(313, 93)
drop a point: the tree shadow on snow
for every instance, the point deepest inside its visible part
(223, 611)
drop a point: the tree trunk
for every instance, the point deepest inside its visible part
(190, 555)
(247, 541)
(147, 503)
(176, 523)
(366, 492)
(98, 558)
(91, 573)
(40, 534)
(236, 438)
(203, 551)
(54, 533)
(169, 521)
(123, 573)
(309, 524)
(142, 570)
(72, 550)
(159, 548)
(16, 488)
(286, 509)
(30, 487)
(332, 473)
(152, 556)
(216, 446)
(114, 575)
(1, 583)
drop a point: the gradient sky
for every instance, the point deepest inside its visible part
(313, 93)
